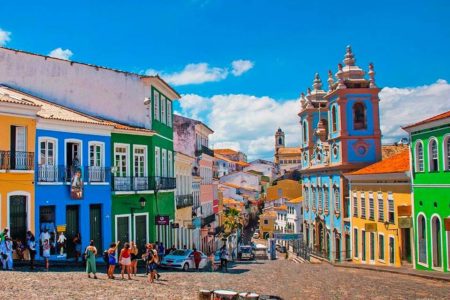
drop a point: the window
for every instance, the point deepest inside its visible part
(363, 205)
(372, 246)
(169, 113)
(419, 156)
(363, 241)
(381, 247)
(371, 207)
(157, 161)
(266, 222)
(95, 155)
(355, 205)
(170, 163)
(306, 195)
(156, 104)
(19, 160)
(433, 156)
(391, 250)
(140, 162)
(320, 191)
(359, 116)
(305, 132)
(380, 207)
(422, 238)
(333, 118)
(447, 153)
(355, 242)
(327, 197)
(47, 153)
(391, 211)
(164, 163)
(163, 109)
(314, 195)
(337, 199)
(121, 161)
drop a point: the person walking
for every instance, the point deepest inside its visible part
(134, 258)
(156, 261)
(151, 265)
(90, 254)
(197, 259)
(224, 258)
(112, 259)
(46, 253)
(125, 260)
(31, 245)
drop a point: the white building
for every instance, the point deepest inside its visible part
(267, 168)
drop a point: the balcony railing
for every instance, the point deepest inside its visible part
(185, 200)
(16, 160)
(133, 183)
(49, 173)
(208, 220)
(204, 150)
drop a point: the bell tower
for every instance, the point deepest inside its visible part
(279, 143)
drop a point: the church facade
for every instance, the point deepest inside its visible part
(340, 133)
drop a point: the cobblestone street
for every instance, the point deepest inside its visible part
(283, 278)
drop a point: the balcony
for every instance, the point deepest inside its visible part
(208, 220)
(185, 201)
(131, 183)
(16, 160)
(49, 173)
(204, 150)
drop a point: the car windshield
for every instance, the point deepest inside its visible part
(246, 249)
(179, 252)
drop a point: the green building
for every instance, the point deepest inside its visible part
(430, 152)
(143, 180)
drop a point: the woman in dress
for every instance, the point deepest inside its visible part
(134, 256)
(46, 253)
(112, 259)
(125, 260)
(90, 253)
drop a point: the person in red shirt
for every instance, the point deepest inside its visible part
(125, 260)
(197, 258)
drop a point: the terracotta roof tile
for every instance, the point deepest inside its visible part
(390, 150)
(225, 151)
(8, 99)
(429, 120)
(394, 164)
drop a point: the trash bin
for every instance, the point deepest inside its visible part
(204, 295)
(244, 296)
(225, 295)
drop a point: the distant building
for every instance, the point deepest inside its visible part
(267, 168)
(267, 224)
(232, 154)
(286, 158)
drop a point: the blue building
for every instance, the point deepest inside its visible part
(72, 184)
(340, 132)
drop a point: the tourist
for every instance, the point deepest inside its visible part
(7, 253)
(125, 260)
(31, 245)
(134, 258)
(224, 258)
(20, 249)
(156, 261)
(197, 259)
(161, 250)
(112, 259)
(45, 235)
(46, 253)
(151, 265)
(77, 246)
(90, 254)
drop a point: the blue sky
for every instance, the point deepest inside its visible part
(280, 45)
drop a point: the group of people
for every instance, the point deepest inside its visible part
(8, 246)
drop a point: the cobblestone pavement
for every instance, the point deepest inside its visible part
(281, 277)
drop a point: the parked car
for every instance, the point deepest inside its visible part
(183, 260)
(280, 248)
(246, 252)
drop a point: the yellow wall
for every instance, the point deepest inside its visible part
(402, 196)
(19, 182)
(290, 189)
(270, 227)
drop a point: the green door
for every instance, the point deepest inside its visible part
(73, 227)
(18, 217)
(123, 229)
(141, 232)
(95, 217)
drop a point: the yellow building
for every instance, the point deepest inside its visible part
(267, 224)
(286, 188)
(17, 143)
(381, 225)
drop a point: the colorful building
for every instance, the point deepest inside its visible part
(286, 158)
(17, 142)
(381, 223)
(267, 224)
(430, 152)
(340, 133)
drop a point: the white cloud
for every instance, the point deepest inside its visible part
(60, 53)
(241, 66)
(403, 106)
(249, 123)
(5, 37)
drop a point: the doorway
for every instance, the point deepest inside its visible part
(95, 217)
(72, 227)
(123, 229)
(141, 230)
(437, 242)
(18, 217)
(406, 245)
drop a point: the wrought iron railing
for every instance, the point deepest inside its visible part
(185, 200)
(138, 183)
(204, 150)
(16, 160)
(49, 173)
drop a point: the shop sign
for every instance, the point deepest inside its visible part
(404, 211)
(287, 236)
(370, 227)
(405, 222)
(162, 220)
(61, 228)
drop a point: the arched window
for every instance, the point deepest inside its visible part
(333, 118)
(305, 132)
(437, 242)
(419, 156)
(447, 153)
(433, 156)
(359, 116)
(337, 199)
(326, 198)
(280, 141)
(320, 197)
(422, 238)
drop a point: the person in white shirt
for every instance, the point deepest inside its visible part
(61, 243)
(45, 235)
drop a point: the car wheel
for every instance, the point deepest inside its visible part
(186, 267)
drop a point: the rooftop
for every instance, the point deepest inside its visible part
(397, 163)
(225, 151)
(429, 120)
(390, 150)
(296, 200)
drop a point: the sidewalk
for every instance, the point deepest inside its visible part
(398, 270)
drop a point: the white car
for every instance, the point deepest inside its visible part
(183, 260)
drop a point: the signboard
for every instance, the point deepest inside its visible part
(405, 222)
(447, 224)
(162, 220)
(404, 211)
(370, 227)
(76, 185)
(61, 228)
(287, 236)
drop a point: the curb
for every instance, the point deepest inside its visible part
(425, 276)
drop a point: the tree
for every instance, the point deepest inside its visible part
(233, 220)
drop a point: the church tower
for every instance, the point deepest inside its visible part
(279, 142)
